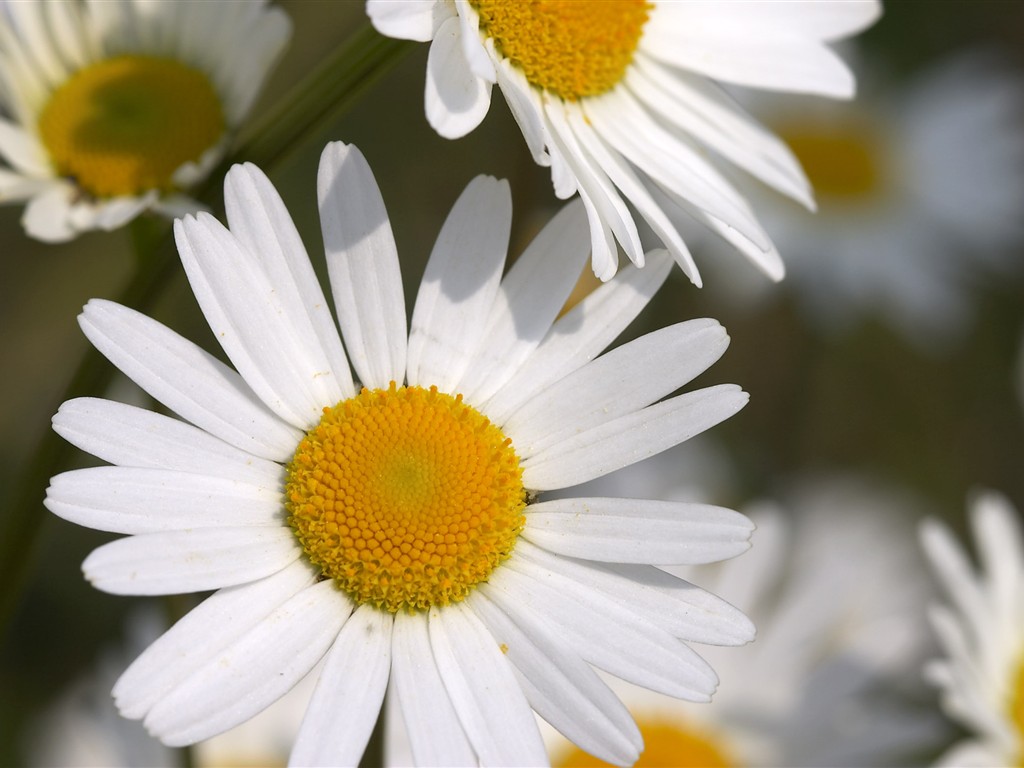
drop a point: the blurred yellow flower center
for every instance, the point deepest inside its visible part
(406, 497)
(1016, 707)
(839, 163)
(124, 125)
(572, 48)
(665, 746)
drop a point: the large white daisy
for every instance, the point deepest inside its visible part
(619, 98)
(981, 631)
(393, 527)
(108, 109)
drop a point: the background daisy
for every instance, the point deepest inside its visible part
(620, 100)
(980, 628)
(108, 109)
(919, 189)
(385, 518)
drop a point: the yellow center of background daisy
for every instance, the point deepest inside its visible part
(125, 125)
(572, 48)
(1016, 708)
(666, 745)
(838, 163)
(406, 497)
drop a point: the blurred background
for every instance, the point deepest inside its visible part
(889, 357)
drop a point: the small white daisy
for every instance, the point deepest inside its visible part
(618, 98)
(981, 631)
(839, 609)
(919, 188)
(109, 109)
(392, 527)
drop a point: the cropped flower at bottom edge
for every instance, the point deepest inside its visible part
(396, 528)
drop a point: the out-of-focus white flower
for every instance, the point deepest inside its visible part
(620, 99)
(109, 109)
(838, 599)
(981, 631)
(920, 190)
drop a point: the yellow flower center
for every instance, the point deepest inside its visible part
(666, 745)
(840, 163)
(572, 48)
(124, 125)
(406, 497)
(1016, 709)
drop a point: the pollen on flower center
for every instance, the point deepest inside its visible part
(839, 163)
(124, 125)
(572, 48)
(666, 745)
(406, 497)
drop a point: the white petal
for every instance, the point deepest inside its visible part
(560, 686)
(592, 178)
(435, 734)
(484, 690)
(459, 284)
(456, 100)
(362, 261)
(528, 300)
(135, 500)
(671, 161)
(258, 218)
(256, 670)
(186, 379)
(622, 381)
(606, 633)
(23, 152)
(637, 530)
(408, 19)
(698, 107)
(631, 438)
(675, 605)
(622, 175)
(524, 104)
(349, 693)
(47, 216)
(266, 334)
(134, 437)
(704, 37)
(202, 633)
(189, 561)
(581, 334)
(953, 571)
(479, 60)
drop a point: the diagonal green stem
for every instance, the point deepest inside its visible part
(324, 93)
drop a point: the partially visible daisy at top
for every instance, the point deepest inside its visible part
(109, 109)
(618, 98)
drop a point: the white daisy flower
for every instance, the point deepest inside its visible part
(919, 188)
(109, 109)
(393, 528)
(618, 98)
(839, 609)
(981, 631)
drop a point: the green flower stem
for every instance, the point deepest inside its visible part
(323, 94)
